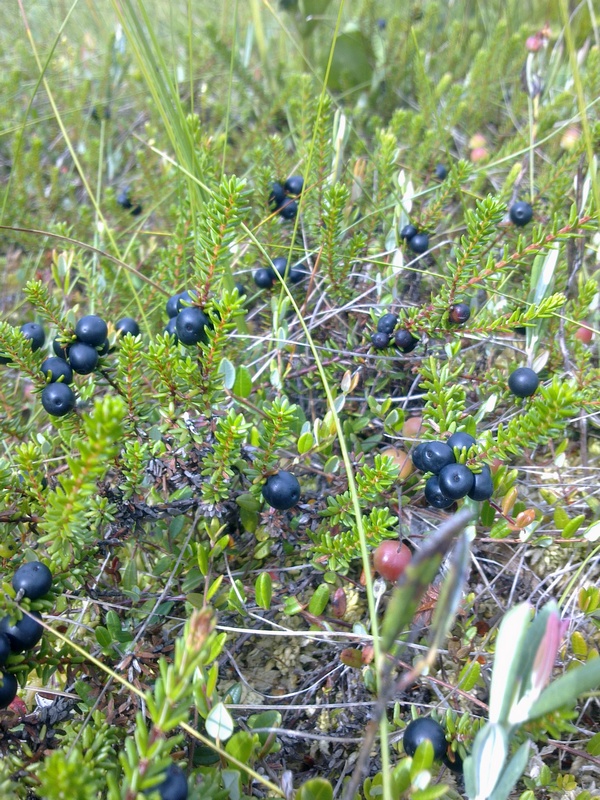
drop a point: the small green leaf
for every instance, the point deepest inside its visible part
(219, 723)
(195, 599)
(103, 637)
(305, 442)
(248, 502)
(572, 526)
(227, 370)
(242, 386)
(315, 789)
(469, 675)
(319, 600)
(593, 746)
(263, 590)
(422, 759)
(291, 606)
(130, 576)
(241, 746)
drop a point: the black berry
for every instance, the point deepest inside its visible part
(191, 324)
(280, 265)
(91, 330)
(380, 340)
(523, 382)
(405, 341)
(264, 277)
(34, 332)
(455, 480)
(483, 486)
(440, 172)
(126, 326)
(178, 302)
(5, 650)
(282, 490)
(433, 456)
(58, 399)
(387, 323)
(461, 439)
(408, 232)
(277, 196)
(421, 729)
(294, 185)
(83, 358)
(520, 213)
(434, 495)
(419, 243)
(171, 328)
(25, 634)
(459, 313)
(137, 210)
(124, 200)
(8, 689)
(295, 275)
(289, 210)
(55, 368)
(174, 785)
(60, 350)
(34, 579)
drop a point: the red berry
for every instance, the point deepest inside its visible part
(390, 559)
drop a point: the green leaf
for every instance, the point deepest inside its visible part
(305, 442)
(241, 746)
(319, 600)
(263, 590)
(266, 719)
(315, 789)
(469, 675)
(103, 637)
(566, 689)
(130, 575)
(511, 773)
(351, 64)
(219, 723)
(593, 746)
(242, 386)
(227, 370)
(422, 759)
(512, 637)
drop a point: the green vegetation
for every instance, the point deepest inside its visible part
(253, 255)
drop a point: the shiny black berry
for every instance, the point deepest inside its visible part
(523, 382)
(380, 340)
(294, 185)
(280, 265)
(137, 210)
(58, 399)
(408, 231)
(419, 243)
(295, 275)
(455, 480)
(127, 326)
(405, 341)
(520, 213)
(34, 332)
(55, 369)
(289, 209)
(483, 486)
(83, 358)
(264, 277)
(178, 302)
(387, 323)
(282, 490)
(174, 785)
(440, 172)
(461, 439)
(190, 324)
(421, 729)
(434, 495)
(60, 350)
(277, 196)
(171, 328)
(34, 579)
(8, 689)
(91, 330)
(432, 456)
(459, 313)
(25, 634)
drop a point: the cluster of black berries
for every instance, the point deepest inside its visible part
(187, 323)
(284, 199)
(451, 480)
(32, 580)
(418, 242)
(403, 338)
(265, 277)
